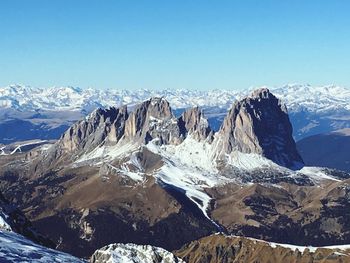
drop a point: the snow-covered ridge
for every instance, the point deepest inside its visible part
(297, 97)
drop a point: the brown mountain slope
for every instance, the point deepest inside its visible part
(85, 208)
(226, 249)
(315, 215)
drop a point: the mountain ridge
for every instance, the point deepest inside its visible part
(296, 96)
(44, 113)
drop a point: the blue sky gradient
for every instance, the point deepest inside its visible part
(165, 44)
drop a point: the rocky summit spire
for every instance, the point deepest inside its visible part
(259, 124)
(193, 122)
(153, 119)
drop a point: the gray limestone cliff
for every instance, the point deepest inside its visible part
(260, 124)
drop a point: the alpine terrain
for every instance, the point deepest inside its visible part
(147, 183)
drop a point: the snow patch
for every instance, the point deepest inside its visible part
(188, 166)
(317, 174)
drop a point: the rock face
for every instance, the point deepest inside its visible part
(260, 124)
(153, 119)
(99, 126)
(257, 124)
(193, 122)
(230, 249)
(123, 253)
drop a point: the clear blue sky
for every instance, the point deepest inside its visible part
(174, 44)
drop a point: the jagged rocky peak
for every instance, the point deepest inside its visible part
(260, 124)
(102, 125)
(116, 253)
(159, 108)
(153, 119)
(192, 122)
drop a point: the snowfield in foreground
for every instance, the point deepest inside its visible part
(16, 248)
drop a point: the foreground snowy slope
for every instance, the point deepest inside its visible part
(16, 248)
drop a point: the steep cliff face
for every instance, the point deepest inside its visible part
(260, 124)
(101, 126)
(153, 119)
(257, 124)
(192, 122)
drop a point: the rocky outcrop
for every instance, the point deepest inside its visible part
(153, 119)
(118, 253)
(260, 124)
(231, 249)
(193, 122)
(102, 125)
(256, 124)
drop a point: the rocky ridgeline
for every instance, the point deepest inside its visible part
(152, 119)
(256, 124)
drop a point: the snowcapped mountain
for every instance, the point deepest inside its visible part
(297, 97)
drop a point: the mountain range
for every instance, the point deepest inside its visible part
(45, 113)
(148, 176)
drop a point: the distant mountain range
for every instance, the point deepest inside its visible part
(45, 113)
(297, 98)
